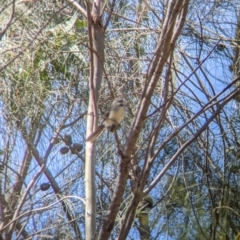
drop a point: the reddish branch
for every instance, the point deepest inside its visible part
(173, 23)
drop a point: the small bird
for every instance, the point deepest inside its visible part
(111, 120)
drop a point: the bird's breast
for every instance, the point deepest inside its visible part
(115, 116)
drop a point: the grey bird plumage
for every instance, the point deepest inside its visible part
(112, 119)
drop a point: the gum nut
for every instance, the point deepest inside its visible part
(67, 139)
(64, 150)
(45, 186)
(78, 147)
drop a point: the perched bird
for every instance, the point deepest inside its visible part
(112, 119)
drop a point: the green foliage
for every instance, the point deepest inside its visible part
(80, 24)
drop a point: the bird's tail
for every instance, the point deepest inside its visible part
(95, 134)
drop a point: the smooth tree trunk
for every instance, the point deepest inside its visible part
(96, 49)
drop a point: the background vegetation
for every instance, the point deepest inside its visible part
(171, 171)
